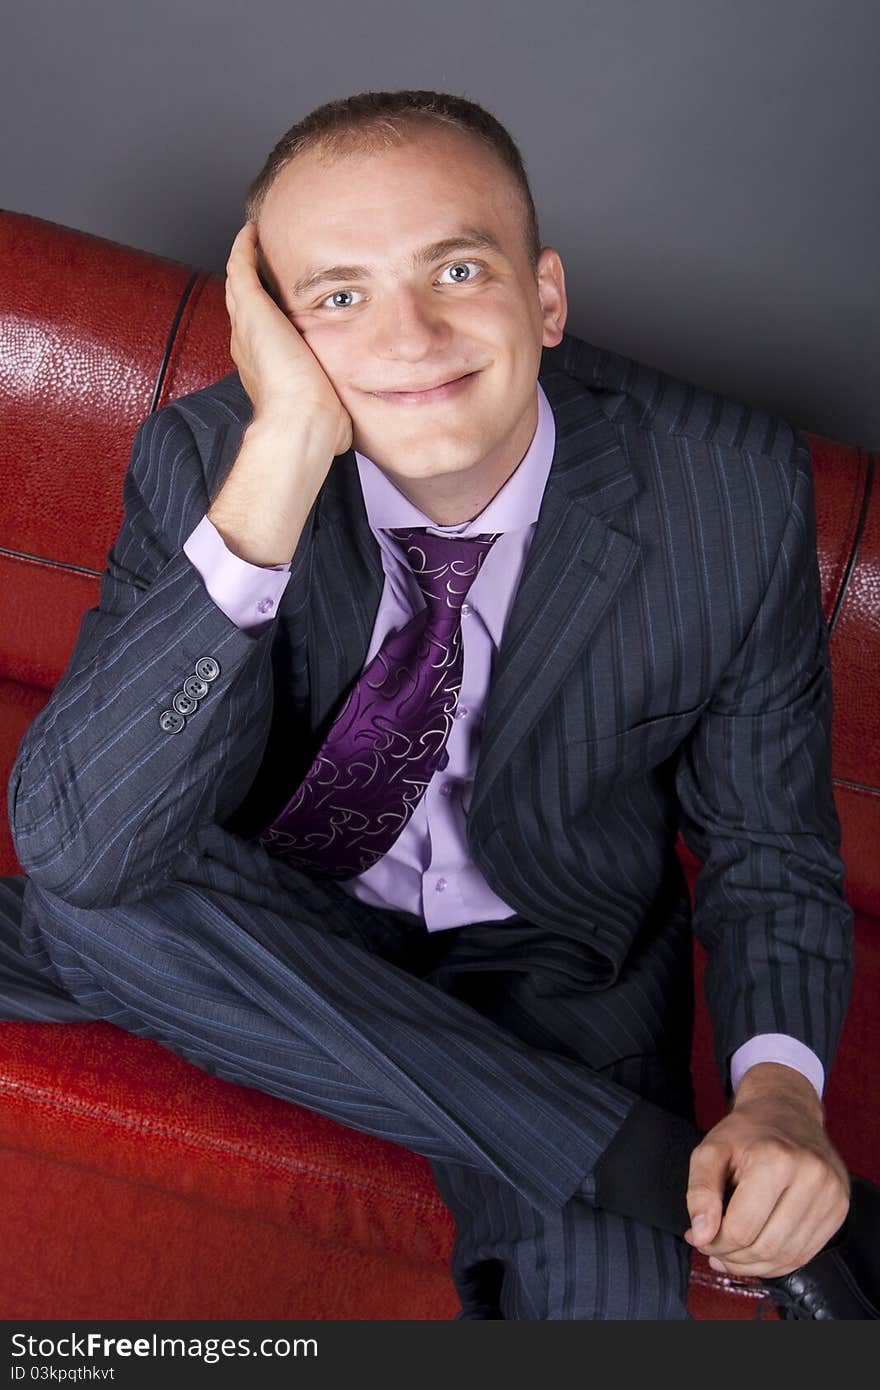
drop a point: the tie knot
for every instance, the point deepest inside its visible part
(445, 567)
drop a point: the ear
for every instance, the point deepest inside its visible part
(551, 294)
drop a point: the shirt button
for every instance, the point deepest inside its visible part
(446, 789)
(465, 609)
(461, 712)
(440, 885)
(264, 605)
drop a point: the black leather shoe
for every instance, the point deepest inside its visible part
(843, 1280)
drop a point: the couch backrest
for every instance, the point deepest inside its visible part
(88, 331)
(93, 335)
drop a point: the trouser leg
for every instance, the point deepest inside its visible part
(259, 974)
(511, 1260)
(577, 1263)
(27, 994)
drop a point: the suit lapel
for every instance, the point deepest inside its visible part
(575, 566)
(345, 586)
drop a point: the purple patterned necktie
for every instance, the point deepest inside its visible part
(389, 738)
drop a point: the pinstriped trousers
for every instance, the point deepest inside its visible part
(487, 1048)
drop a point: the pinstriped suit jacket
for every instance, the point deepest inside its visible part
(664, 664)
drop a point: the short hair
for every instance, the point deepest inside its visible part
(368, 121)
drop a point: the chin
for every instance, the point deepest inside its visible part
(434, 465)
(407, 460)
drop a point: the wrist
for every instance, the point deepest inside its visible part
(291, 427)
(282, 420)
(265, 499)
(780, 1084)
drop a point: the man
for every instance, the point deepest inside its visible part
(259, 826)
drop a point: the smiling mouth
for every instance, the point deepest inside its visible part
(426, 393)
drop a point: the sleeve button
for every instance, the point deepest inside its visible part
(207, 668)
(195, 687)
(170, 722)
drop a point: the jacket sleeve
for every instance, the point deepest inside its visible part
(754, 781)
(105, 792)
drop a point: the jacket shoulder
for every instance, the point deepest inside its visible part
(222, 403)
(205, 426)
(635, 393)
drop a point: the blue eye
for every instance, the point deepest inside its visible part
(458, 265)
(336, 295)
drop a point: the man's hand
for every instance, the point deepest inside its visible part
(299, 424)
(790, 1186)
(277, 367)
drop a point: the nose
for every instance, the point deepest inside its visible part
(409, 326)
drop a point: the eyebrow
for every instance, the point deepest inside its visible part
(469, 239)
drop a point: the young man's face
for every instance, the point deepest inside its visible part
(398, 325)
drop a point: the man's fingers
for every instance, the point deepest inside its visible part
(749, 1216)
(794, 1228)
(242, 260)
(705, 1213)
(707, 1180)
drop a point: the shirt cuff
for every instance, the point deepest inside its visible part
(248, 594)
(777, 1047)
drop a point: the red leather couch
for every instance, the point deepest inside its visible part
(133, 1185)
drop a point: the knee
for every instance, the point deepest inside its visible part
(51, 926)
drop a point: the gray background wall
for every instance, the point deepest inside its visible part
(707, 169)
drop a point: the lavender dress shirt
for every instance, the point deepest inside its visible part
(428, 871)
